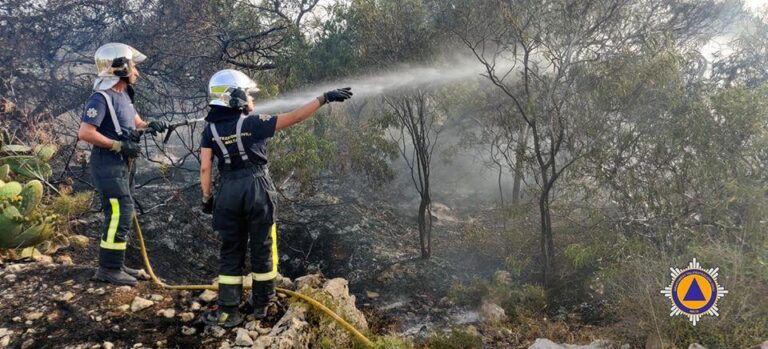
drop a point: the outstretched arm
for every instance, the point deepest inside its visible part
(302, 113)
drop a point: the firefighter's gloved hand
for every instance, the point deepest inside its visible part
(337, 95)
(127, 148)
(157, 126)
(208, 204)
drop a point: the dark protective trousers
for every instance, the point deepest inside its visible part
(244, 217)
(111, 176)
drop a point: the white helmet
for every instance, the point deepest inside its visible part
(112, 63)
(226, 81)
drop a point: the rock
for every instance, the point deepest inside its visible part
(195, 306)
(761, 346)
(107, 345)
(338, 290)
(123, 289)
(188, 331)
(53, 317)
(28, 344)
(167, 313)
(252, 325)
(143, 275)
(100, 291)
(10, 278)
(17, 319)
(696, 346)
(225, 345)
(140, 304)
(263, 342)
(14, 268)
(285, 282)
(208, 296)
(472, 331)
(187, 317)
(78, 241)
(543, 343)
(243, 339)
(216, 331)
(123, 308)
(371, 294)
(44, 259)
(312, 281)
(492, 313)
(4, 332)
(156, 298)
(33, 316)
(66, 297)
(64, 260)
(5, 341)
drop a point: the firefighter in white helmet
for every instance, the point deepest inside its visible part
(244, 208)
(107, 118)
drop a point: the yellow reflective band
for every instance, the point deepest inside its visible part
(272, 274)
(230, 280)
(114, 220)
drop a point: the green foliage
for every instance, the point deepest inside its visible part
(69, 206)
(581, 255)
(456, 339)
(301, 154)
(468, 293)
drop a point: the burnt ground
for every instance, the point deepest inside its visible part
(357, 234)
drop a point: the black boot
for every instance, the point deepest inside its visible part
(136, 273)
(226, 314)
(226, 317)
(115, 276)
(262, 294)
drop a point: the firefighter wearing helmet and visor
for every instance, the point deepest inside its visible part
(108, 117)
(244, 207)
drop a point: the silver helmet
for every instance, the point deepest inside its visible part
(226, 81)
(105, 57)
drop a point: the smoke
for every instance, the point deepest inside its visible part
(372, 85)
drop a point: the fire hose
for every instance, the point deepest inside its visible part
(351, 329)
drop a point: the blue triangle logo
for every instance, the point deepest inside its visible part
(694, 293)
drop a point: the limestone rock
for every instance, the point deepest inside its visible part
(188, 331)
(243, 339)
(492, 313)
(311, 281)
(208, 296)
(187, 316)
(167, 313)
(140, 304)
(33, 316)
(543, 343)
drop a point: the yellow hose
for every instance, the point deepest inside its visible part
(361, 337)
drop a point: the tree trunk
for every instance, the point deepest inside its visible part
(425, 227)
(546, 243)
(519, 156)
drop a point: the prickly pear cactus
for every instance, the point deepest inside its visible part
(20, 223)
(5, 173)
(45, 152)
(26, 161)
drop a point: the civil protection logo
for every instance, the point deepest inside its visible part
(694, 291)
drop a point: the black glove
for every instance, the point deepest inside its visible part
(338, 95)
(208, 205)
(157, 126)
(127, 148)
